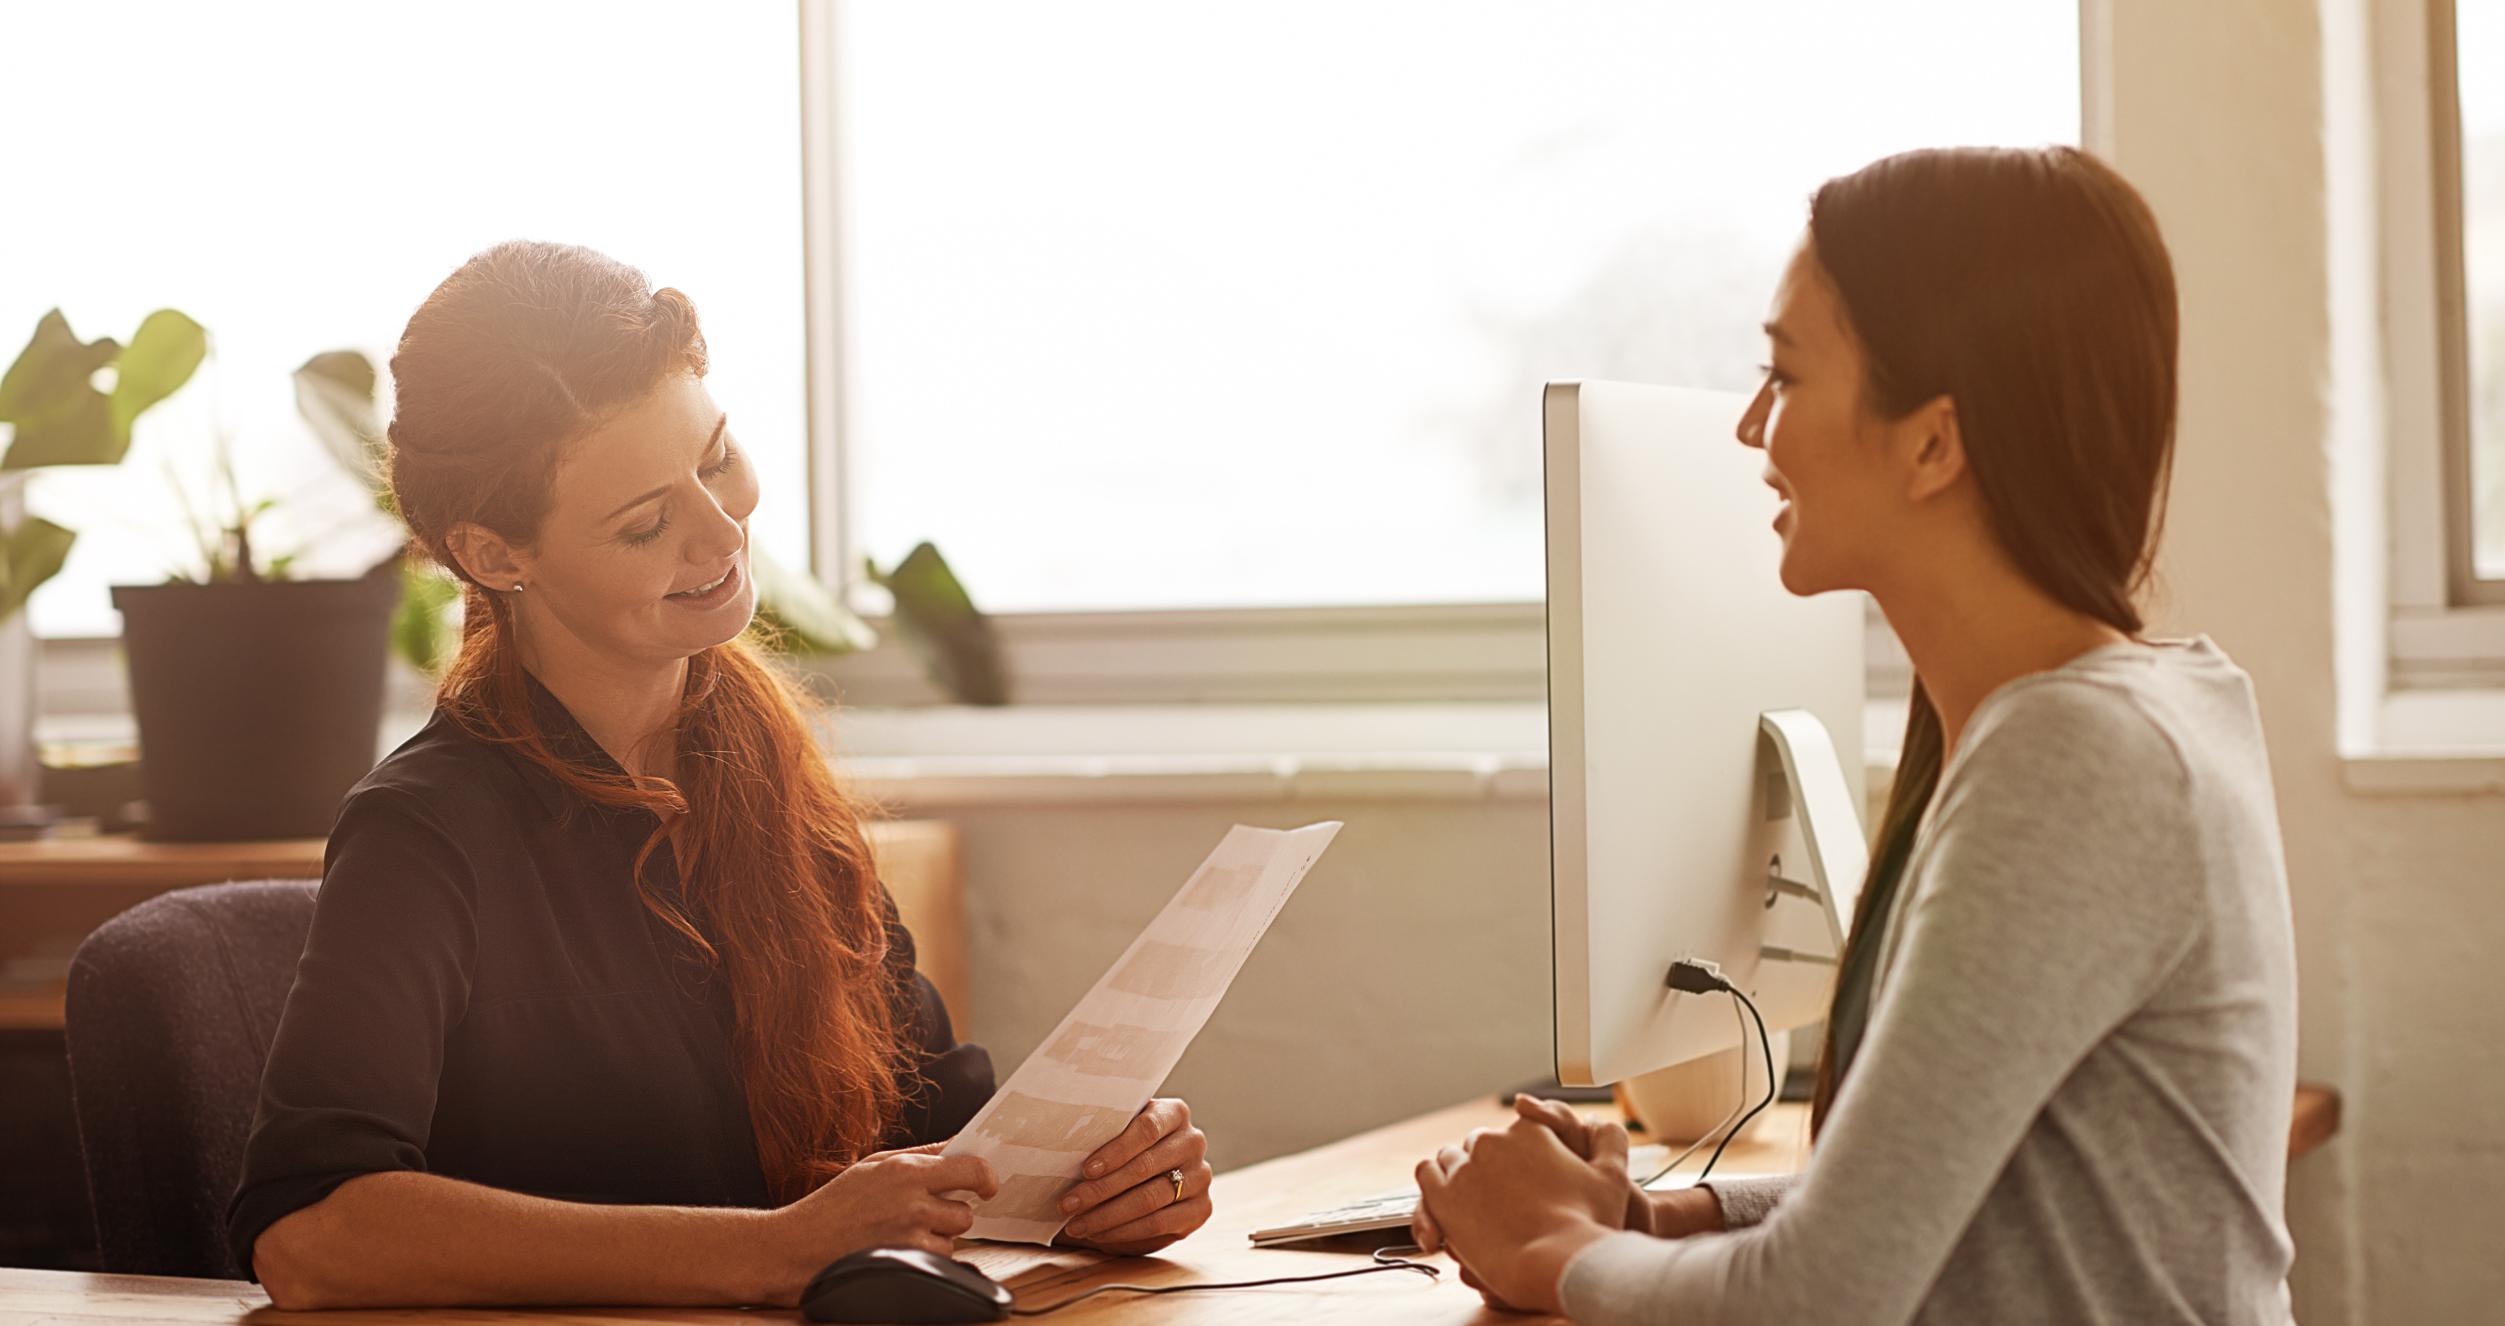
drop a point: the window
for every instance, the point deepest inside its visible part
(299, 176)
(1142, 306)
(1226, 306)
(2477, 427)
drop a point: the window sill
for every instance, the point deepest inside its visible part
(2449, 650)
(2435, 743)
(946, 755)
(1071, 780)
(2424, 775)
(1058, 755)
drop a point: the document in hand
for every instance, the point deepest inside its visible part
(1108, 1057)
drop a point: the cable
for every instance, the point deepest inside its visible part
(1697, 976)
(1385, 1259)
(1765, 1043)
(1741, 1104)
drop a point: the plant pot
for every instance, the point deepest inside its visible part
(259, 705)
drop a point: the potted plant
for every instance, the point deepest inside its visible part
(258, 695)
(58, 414)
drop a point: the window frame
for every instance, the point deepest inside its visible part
(2447, 626)
(1373, 653)
(2463, 582)
(1484, 651)
(1387, 653)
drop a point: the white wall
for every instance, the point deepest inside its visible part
(1409, 972)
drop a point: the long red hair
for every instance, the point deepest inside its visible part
(519, 354)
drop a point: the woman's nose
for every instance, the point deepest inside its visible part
(1752, 429)
(722, 534)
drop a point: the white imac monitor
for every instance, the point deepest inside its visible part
(1705, 745)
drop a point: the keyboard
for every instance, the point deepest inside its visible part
(1392, 1210)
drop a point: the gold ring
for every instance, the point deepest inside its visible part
(1177, 1176)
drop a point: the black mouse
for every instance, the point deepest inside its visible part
(903, 1286)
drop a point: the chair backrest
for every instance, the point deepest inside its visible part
(172, 1007)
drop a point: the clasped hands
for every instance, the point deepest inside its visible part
(1514, 1205)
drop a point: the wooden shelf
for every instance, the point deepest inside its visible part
(122, 860)
(30, 1010)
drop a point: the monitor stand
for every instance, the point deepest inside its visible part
(1805, 785)
(1821, 800)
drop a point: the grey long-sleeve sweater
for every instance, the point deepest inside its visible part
(2071, 1103)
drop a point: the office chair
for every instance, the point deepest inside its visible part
(172, 1006)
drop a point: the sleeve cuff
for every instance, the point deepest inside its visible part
(252, 1210)
(1746, 1202)
(1605, 1282)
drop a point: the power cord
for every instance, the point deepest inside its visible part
(1697, 976)
(1385, 1259)
(1739, 1020)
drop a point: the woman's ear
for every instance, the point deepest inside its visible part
(1937, 449)
(486, 556)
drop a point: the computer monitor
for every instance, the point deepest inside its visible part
(1705, 765)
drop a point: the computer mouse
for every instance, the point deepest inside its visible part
(903, 1286)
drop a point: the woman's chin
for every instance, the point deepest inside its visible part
(1802, 577)
(735, 620)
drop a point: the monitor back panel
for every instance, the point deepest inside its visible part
(1669, 632)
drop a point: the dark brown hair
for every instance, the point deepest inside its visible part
(2031, 288)
(516, 357)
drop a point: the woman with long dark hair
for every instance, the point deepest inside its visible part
(604, 1001)
(2059, 1065)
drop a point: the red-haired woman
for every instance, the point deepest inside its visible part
(603, 1000)
(2062, 1050)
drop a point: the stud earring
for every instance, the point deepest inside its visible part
(517, 586)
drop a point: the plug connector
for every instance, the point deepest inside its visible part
(1696, 976)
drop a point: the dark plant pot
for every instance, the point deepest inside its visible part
(258, 704)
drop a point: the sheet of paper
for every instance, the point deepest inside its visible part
(1087, 1080)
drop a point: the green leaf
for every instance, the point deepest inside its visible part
(335, 394)
(49, 394)
(939, 619)
(30, 554)
(162, 356)
(422, 627)
(806, 613)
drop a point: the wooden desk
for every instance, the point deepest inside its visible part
(54, 891)
(1246, 1199)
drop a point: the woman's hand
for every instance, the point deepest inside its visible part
(1514, 1206)
(894, 1199)
(1590, 1141)
(1128, 1203)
